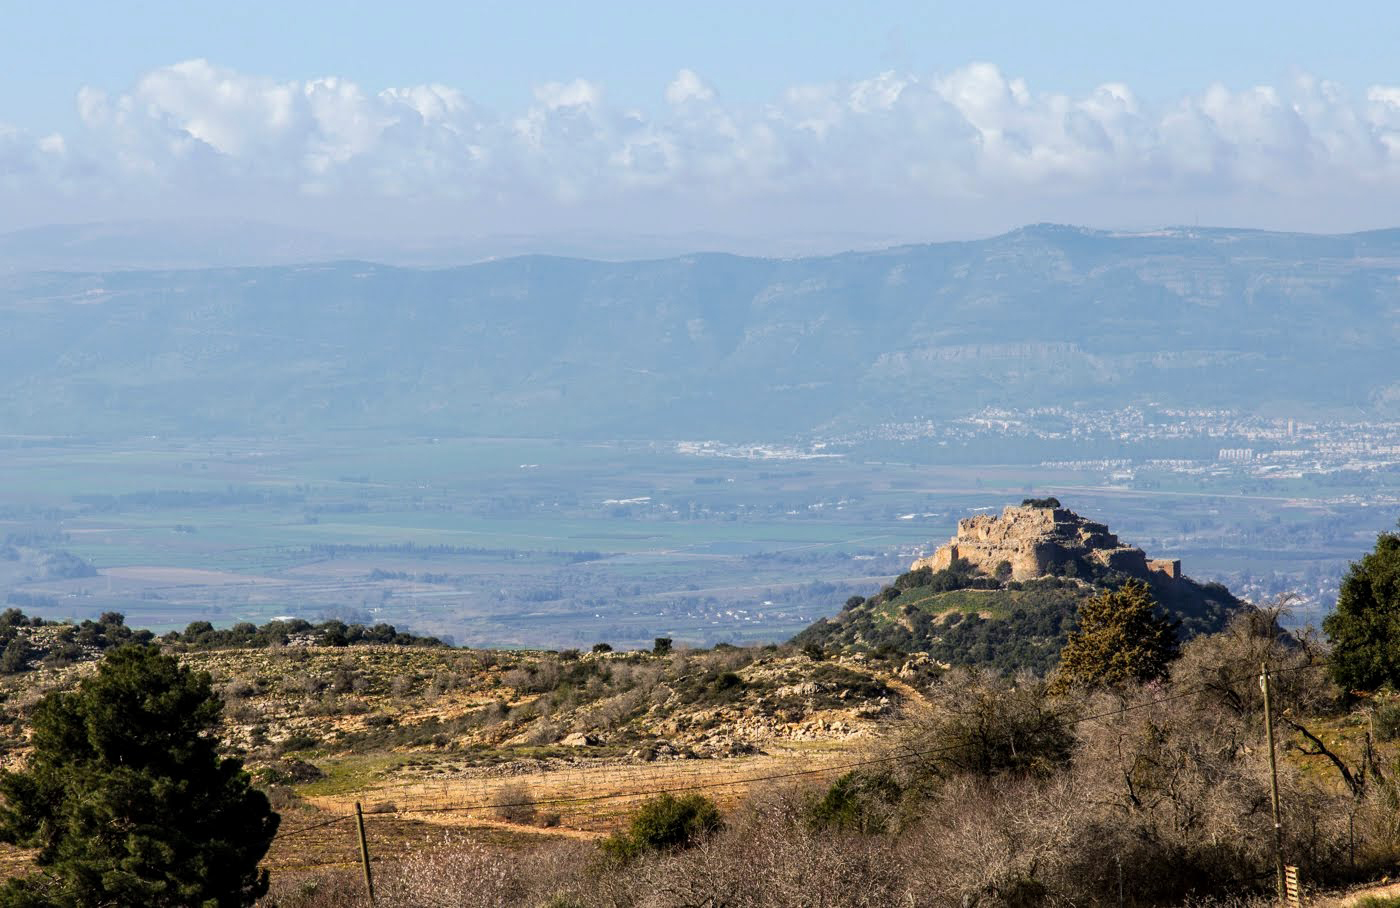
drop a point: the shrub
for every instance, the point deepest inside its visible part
(857, 802)
(665, 823)
(986, 726)
(1121, 638)
(1387, 720)
(514, 804)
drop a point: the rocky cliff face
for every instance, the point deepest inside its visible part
(1029, 541)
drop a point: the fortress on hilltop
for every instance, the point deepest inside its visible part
(1037, 538)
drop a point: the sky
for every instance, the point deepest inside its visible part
(903, 121)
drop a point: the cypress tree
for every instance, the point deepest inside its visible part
(127, 798)
(1121, 638)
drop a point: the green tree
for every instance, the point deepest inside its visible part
(1365, 626)
(1121, 638)
(127, 799)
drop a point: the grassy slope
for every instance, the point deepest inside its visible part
(424, 736)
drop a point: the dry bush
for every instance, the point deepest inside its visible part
(1000, 842)
(985, 725)
(1226, 666)
(766, 867)
(403, 686)
(542, 732)
(514, 803)
(462, 873)
(331, 889)
(614, 711)
(238, 688)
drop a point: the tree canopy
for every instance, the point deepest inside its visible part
(1121, 638)
(127, 798)
(1365, 626)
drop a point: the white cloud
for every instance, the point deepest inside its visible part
(888, 152)
(687, 86)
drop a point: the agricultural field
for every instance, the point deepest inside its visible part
(520, 542)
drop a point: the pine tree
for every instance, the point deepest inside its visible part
(127, 799)
(1121, 638)
(1365, 627)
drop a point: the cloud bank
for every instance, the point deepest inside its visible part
(965, 150)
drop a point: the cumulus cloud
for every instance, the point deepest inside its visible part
(888, 152)
(687, 86)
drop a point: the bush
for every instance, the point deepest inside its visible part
(857, 802)
(1387, 720)
(514, 804)
(1121, 638)
(986, 726)
(665, 823)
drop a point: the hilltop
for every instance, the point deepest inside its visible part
(1004, 591)
(710, 345)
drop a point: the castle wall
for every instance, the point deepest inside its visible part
(1034, 539)
(1169, 566)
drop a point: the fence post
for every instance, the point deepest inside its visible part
(1273, 786)
(364, 852)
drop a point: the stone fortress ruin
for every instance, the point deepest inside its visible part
(1038, 538)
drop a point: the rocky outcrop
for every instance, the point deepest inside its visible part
(1032, 541)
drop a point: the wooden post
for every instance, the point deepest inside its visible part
(1273, 786)
(364, 851)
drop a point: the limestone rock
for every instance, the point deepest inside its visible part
(579, 739)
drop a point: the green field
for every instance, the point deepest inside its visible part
(529, 542)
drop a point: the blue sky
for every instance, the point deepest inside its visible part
(913, 120)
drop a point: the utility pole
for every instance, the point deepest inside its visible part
(364, 852)
(1273, 783)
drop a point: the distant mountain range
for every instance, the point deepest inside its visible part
(712, 345)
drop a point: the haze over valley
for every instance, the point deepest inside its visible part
(549, 452)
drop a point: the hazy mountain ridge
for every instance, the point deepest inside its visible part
(712, 344)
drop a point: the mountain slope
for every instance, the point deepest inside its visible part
(711, 345)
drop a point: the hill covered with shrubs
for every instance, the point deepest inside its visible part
(961, 615)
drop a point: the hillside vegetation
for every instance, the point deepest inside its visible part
(961, 618)
(983, 790)
(750, 777)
